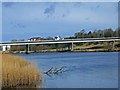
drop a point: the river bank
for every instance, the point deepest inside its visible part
(17, 72)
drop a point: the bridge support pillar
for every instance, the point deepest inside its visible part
(113, 45)
(57, 48)
(6, 48)
(69, 46)
(72, 48)
(27, 49)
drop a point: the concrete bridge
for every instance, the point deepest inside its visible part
(70, 42)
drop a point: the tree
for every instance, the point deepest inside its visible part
(117, 32)
(14, 40)
(108, 33)
(100, 34)
(89, 35)
(80, 34)
(50, 38)
(94, 34)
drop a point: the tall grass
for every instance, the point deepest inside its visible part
(17, 72)
(0, 71)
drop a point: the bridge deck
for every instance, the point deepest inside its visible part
(60, 41)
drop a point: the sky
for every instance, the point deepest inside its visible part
(23, 20)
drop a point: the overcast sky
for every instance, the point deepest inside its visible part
(25, 20)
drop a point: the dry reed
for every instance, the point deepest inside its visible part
(16, 72)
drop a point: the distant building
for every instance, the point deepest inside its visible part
(5, 48)
(49, 38)
(58, 38)
(36, 39)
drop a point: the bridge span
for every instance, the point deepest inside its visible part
(59, 41)
(67, 41)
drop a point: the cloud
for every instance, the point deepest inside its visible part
(18, 25)
(98, 6)
(66, 13)
(77, 4)
(50, 10)
(8, 4)
(55, 8)
(88, 18)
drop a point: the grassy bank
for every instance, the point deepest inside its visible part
(17, 72)
(97, 47)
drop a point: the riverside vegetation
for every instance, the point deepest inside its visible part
(17, 72)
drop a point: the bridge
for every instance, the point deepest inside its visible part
(66, 41)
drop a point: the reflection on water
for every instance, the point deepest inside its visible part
(83, 70)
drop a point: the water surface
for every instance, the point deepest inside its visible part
(84, 69)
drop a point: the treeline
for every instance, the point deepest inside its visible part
(96, 34)
(38, 48)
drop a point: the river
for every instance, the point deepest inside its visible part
(83, 69)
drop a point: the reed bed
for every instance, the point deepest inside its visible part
(17, 72)
(0, 71)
